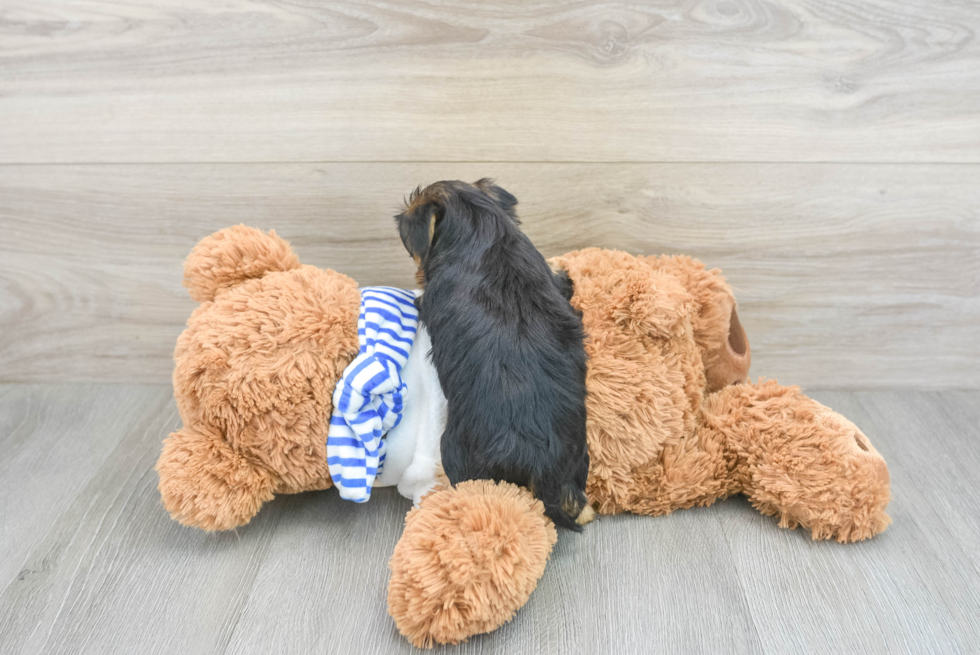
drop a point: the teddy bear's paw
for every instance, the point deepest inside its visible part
(862, 512)
(827, 477)
(800, 461)
(205, 484)
(833, 516)
(469, 558)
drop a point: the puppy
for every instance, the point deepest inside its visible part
(506, 344)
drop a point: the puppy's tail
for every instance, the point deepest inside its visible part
(572, 510)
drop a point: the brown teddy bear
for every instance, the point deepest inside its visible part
(672, 423)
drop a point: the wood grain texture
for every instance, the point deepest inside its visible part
(54, 440)
(404, 80)
(104, 570)
(912, 589)
(849, 276)
(113, 574)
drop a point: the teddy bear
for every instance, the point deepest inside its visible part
(673, 423)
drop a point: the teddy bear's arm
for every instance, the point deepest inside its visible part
(204, 483)
(799, 460)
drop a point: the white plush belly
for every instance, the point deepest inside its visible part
(412, 454)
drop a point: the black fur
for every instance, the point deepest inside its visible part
(506, 343)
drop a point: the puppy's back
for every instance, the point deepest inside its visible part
(509, 352)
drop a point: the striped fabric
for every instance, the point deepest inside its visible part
(367, 401)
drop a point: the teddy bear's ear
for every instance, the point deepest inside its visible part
(717, 330)
(713, 298)
(205, 484)
(231, 256)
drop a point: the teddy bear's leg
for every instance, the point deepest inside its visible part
(204, 483)
(469, 558)
(800, 461)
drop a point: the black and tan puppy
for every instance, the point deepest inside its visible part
(507, 346)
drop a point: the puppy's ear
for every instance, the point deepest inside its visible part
(417, 228)
(501, 197)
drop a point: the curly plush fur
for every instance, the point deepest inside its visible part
(253, 378)
(660, 440)
(672, 423)
(449, 584)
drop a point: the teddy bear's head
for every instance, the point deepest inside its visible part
(254, 375)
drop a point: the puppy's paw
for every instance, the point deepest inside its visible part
(586, 515)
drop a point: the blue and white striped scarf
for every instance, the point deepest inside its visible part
(367, 401)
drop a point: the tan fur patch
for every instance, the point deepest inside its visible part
(441, 477)
(586, 515)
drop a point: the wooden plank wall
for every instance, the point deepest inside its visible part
(824, 153)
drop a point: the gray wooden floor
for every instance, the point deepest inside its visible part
(92, 564)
